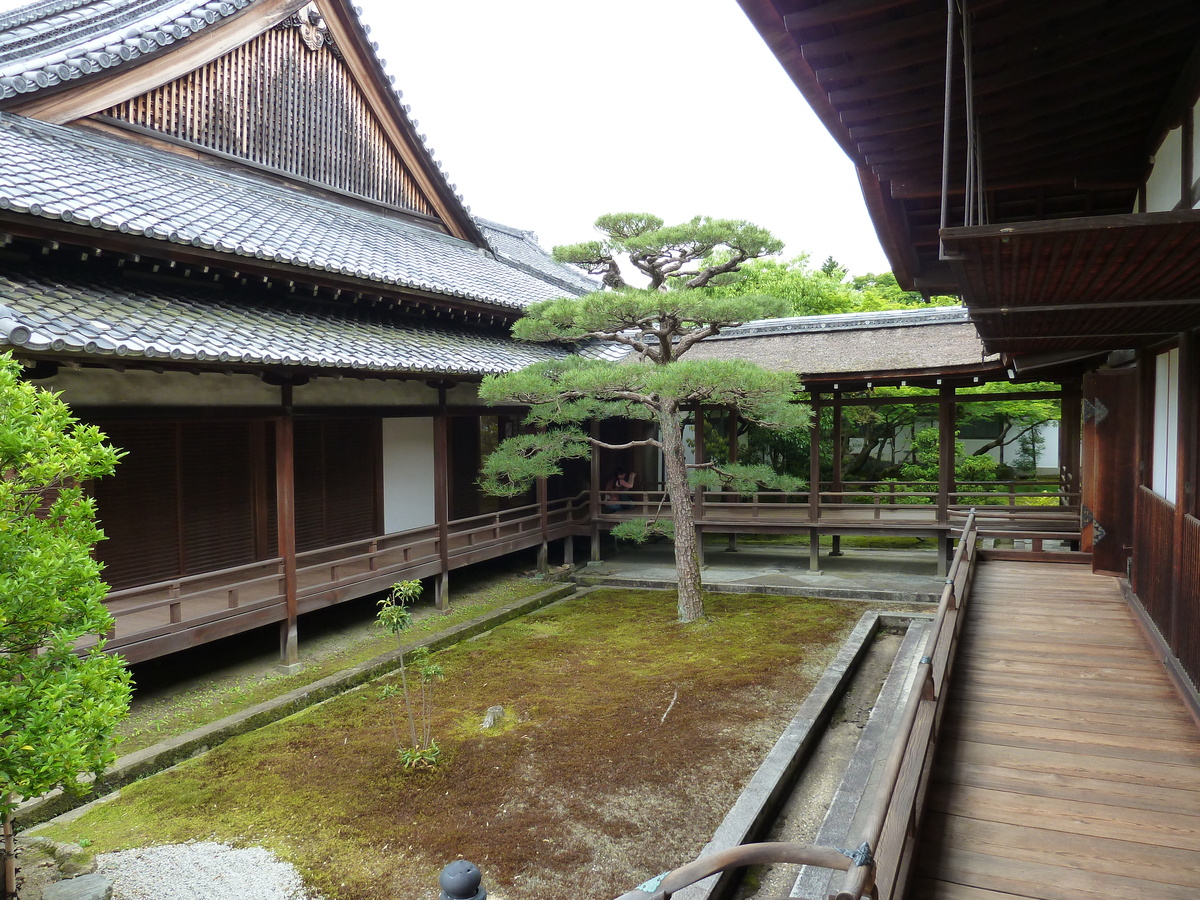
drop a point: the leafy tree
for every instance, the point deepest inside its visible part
(808, 291)
(1016, 419)
(59, 703)
(659, 325)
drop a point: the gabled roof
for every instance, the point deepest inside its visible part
(129, 322)
(64, 61)
(109, 185)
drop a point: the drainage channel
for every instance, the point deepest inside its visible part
(838, 744)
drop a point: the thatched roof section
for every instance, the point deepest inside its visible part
(913, 345)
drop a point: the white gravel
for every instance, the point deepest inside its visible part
(201, 871)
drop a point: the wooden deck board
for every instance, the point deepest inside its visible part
(1068, 767)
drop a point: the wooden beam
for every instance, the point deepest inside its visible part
(814, 459)
(946, 436)
(829, 13)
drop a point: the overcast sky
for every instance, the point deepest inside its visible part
(548, 113)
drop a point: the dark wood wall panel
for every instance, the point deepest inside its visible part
(139, 505)
(1154, 558)
(275, 102)
(337, 473)
(217, 491)
(1187, 647)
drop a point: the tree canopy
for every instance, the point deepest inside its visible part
(657, 326)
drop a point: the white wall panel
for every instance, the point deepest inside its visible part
(408, 474)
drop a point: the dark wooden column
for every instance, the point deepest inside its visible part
(814, 484)
(544, 523)
(946, 415)
(594, 503)
(837, 486)
(733, 458)
(1069, 438)
(698, 499)
(441, 505)
(285, 512)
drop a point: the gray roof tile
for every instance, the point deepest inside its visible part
(105, 182)
(114, 318)
(44, 44)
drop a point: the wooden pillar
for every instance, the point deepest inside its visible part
(946, 435)
(441, 505)
(814, 460)
(698, 498)
(285, 512)
(1185, 484)
(837, 486)
(814, 486)
(1070, 432)
(594, 502)
(733, 458)
(569, 551)
(543, 556)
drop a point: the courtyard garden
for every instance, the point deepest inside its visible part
(624, 740)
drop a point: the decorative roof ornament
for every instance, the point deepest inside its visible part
(313, 30)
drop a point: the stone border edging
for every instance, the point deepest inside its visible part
(174, 750)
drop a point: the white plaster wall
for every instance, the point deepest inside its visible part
(368, 392)
(408, 474)
(107, 387)
(1162, 187)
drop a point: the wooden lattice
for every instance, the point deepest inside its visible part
(275, 102)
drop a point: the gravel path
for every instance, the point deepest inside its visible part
(201, 871)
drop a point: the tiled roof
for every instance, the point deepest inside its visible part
(521, 249)
(111, 184)
(119, 319)
(44, 44)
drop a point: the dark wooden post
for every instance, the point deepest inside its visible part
(946, 435)
(441, 505)
(285, 512)
(698, 499)
(733, 458)
(814, 484)
(594, 503)
(836, 438)
(543, 556)
(1069, 436)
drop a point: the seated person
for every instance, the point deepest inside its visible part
(613, 498)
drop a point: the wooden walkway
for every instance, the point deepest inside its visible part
(1068, 767)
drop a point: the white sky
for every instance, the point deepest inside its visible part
(548, 113)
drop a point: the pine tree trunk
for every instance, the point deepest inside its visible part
(687, 559)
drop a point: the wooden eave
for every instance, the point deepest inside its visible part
(1071, 98)
(86, 237)
(85, 97)
(1083, 284)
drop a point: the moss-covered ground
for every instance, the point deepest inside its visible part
(627, 738)
(182, 708)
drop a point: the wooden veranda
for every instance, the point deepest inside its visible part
(1068, 765)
